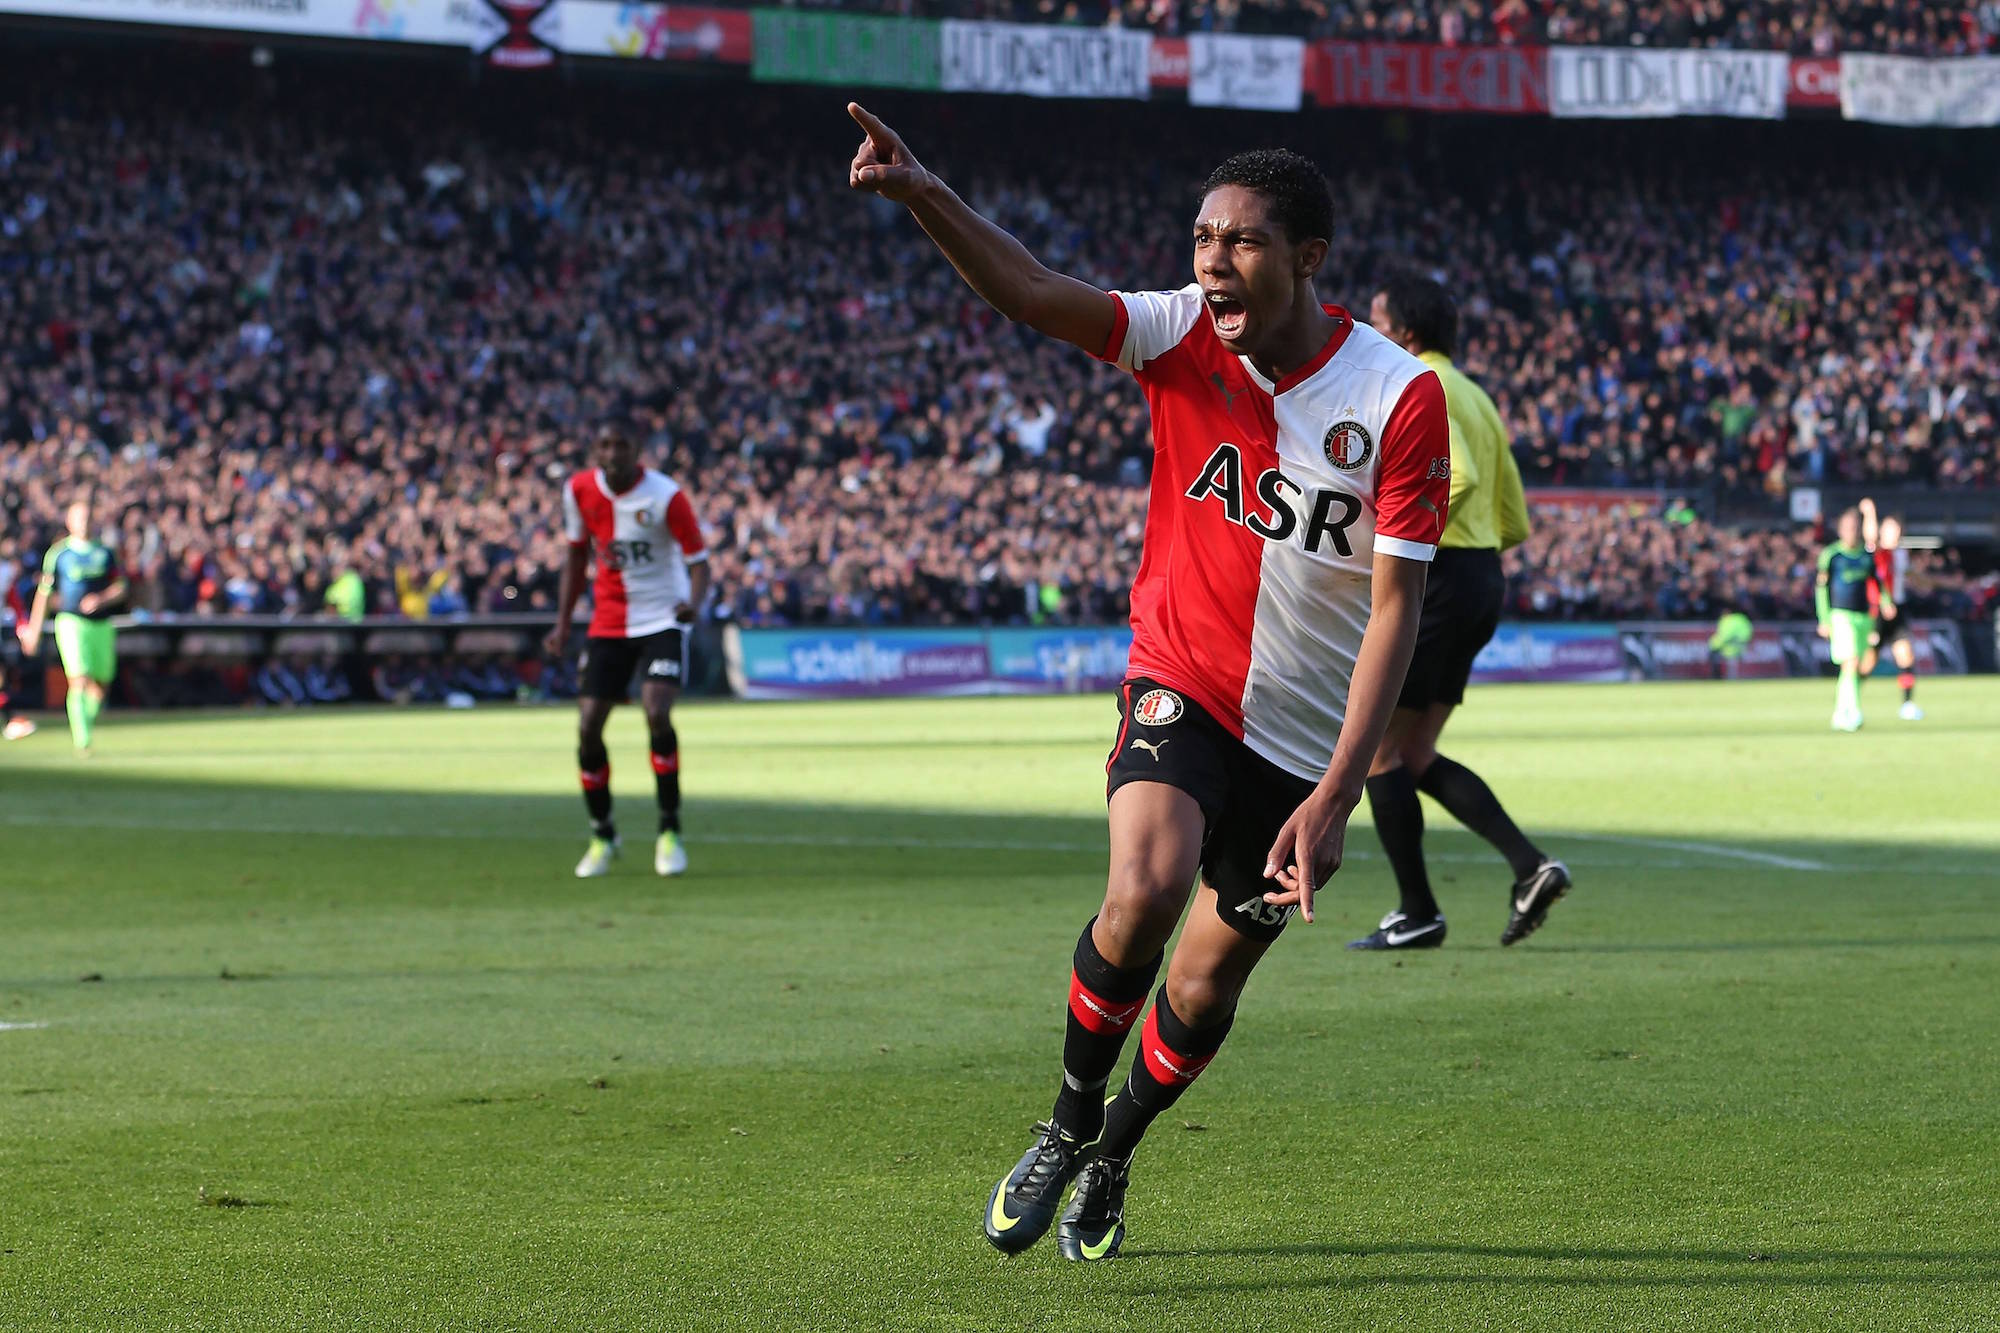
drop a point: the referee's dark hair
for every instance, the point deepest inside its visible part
(1424, 310)
(1301, 200)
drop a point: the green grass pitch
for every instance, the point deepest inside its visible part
(305, 1025)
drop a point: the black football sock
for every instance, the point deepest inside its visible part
(1399, 823)
(7, 707)
(1104, 1001)
(667, 776)
(1472, 803)
(593, 773)
(1171, 1055)
(1908, 681)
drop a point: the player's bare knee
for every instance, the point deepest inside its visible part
(1201, 999)
(1140, 911)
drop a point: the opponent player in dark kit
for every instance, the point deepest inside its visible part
(1300, 483)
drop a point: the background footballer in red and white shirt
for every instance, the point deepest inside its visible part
(637, 528)
(1301, 476)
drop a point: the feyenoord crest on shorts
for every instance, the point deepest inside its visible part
(1156, 708)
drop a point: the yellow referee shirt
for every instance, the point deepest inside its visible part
(1488, 509)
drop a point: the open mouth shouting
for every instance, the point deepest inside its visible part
(1228, 312)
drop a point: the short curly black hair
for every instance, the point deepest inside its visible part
(1301, 199)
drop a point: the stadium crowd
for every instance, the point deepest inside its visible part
(1805, 28)
(314, 349)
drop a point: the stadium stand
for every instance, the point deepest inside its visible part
(1810, 28)
(293, 340)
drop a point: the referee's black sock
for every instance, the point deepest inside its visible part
(1472, 803)
(1399, 823)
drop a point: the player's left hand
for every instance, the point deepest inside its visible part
(684, 614)
(88, 603)
(1308, 849)
(30, 641)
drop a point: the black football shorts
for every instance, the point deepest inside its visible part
(1164, 736)
(607, 665)
(1463, 595)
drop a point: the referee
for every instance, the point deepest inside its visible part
(1462, 600)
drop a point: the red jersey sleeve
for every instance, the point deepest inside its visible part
(1413, 480)
(686, 528)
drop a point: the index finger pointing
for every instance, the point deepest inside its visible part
(878, 133)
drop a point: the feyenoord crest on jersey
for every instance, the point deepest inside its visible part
(1156, 708)
(1348, 445)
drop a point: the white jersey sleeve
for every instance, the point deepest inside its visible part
(1150, 324)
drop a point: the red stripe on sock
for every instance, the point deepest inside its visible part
(667, 763)
(1907, 680)
(1168, 1066)
(1106, 1018)
(595, 780)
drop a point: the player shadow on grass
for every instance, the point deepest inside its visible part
(1749, 1267)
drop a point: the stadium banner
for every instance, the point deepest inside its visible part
(1625, 84)
(809, 47)
(854, 663)
(1167, 63)
(1907, 90)
(1057, 661)
(424, 22)
(1253, 73)
(1675, 650)
(1533, 652)
(1505, 80)
(1040, 61)
(1814, 83)
(625, 31)
(530, 34)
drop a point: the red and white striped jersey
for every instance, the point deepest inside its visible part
(1269, 502)
(642, 543)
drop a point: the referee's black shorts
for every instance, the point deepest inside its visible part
(1462, 598)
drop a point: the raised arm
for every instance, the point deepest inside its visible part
(994, 264)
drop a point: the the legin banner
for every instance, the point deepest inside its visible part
(1608, 82)
(530, 34)
(1260, 73)
(1509, 80)
(1044, 61)
(1904, 90)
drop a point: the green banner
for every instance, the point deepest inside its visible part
(794, 47)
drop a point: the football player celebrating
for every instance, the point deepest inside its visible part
(639, 528)
(1300, 482)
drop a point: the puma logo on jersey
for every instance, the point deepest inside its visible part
(1152, 748)
(1229, 395)
(1333, 512)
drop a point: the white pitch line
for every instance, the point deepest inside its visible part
(1711, 850)
(1705, 849)
(21, 1027)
